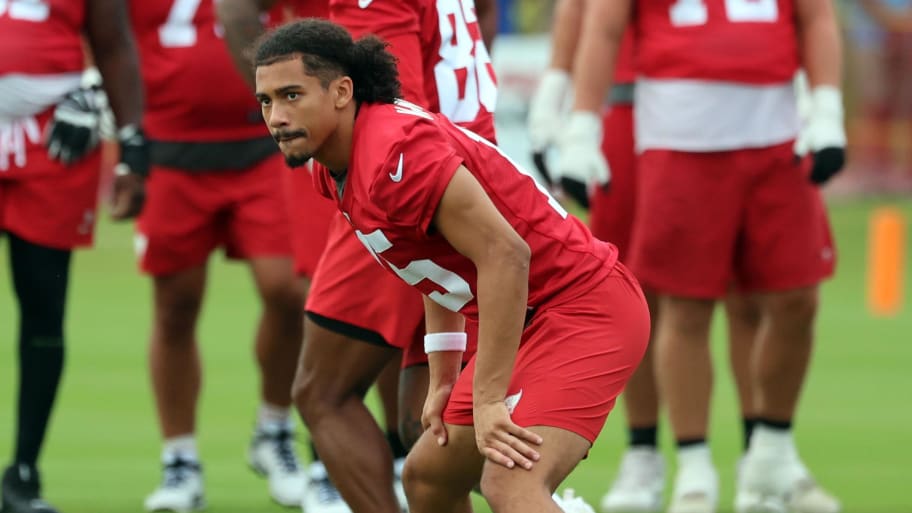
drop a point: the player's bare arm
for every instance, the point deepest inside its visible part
(486, 11)
(116, 56)
(891, 19)
(565, 32)
(242, 23)
(603, 29)
(821, 46)
(470, 222)
(443, 367)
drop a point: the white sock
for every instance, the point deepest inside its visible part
(183, 446)
(270, 415)
(697, 455)
(767, 442)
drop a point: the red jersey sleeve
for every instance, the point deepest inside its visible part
(415, 173)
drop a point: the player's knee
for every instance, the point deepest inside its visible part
(177, 318)
(795, 306)
(418, 478)
(313, 396)
(497, 489)
(285, 298)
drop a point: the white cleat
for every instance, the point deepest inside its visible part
(570, 503)
(181, 490)
(321, 496)
(696, 490)
(781, 485)
(639, 484)
(272, 455)
(398, 487)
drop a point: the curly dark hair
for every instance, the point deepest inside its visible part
(328, 51)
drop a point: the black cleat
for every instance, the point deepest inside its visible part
(21, 491)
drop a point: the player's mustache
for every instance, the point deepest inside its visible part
(284, 136)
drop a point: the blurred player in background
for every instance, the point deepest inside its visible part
(728, 205)
(456, 234)
(48, 194)
(349, 327)
(640, 481)
(216, 181)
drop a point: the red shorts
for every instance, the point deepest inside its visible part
(749, 219)
(353, 295)
(310, 215)
(612, 208)
(574, 360)
(56, 210)
(188, 215)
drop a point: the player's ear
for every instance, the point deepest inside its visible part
(343, 91)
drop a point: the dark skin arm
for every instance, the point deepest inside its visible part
(114, 50)
(241, 20)
(486, 12)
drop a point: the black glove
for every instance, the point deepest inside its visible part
(74, 131)
(827, 162)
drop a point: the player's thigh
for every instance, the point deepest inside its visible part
(560, 452)
(786, 241)
(333, 367)
(259, 220)
(56, 210)
(179, 225)
(453, 469)
(353, 295)
(688, 215)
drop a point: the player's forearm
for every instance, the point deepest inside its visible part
(565, 31)
(596, 55)
(892, 20)
(503, 290)
(116, 57)
(486, 11)
(443, 366)
(241, 20)
(821, 45)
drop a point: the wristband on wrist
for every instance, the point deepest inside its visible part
(444, 342)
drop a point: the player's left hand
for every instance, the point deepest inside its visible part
(823, 134)
(432, 413)
(130, 174)
(500, 440)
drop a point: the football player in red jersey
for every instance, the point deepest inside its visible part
(48, 195)
(562, 325)
(444, 65)
(723, 203)
(216, 181)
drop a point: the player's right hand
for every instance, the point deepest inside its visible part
(545, 116)
(581, 164)
(432, 413)
(74, 130)
(130, 174)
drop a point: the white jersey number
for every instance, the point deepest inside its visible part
(464, 75)
(26, 10)
(458, 292)
(179, 30)
(688, 13)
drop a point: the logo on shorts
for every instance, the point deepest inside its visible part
(397, 177)
(140, 244)
(364, 3)
(512, 400)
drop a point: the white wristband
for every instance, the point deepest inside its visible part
(444, 342)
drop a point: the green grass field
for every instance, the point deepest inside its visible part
(854, 428)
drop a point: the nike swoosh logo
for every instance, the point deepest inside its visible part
(364, 3)
(397, 177)
(512, 400)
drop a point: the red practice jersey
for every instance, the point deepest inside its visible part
(193, 90)
(745, 41)
(459, 77)
(395, 180)
(41, 37)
